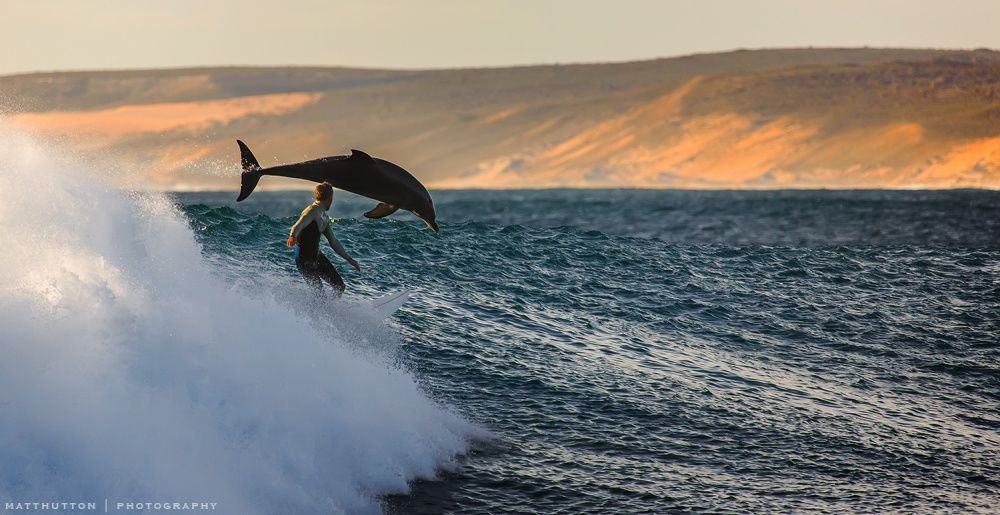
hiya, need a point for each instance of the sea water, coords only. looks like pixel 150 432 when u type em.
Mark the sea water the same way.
pixel 608 351
pixel 648 351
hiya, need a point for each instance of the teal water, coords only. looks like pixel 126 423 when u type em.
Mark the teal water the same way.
pixel 645 352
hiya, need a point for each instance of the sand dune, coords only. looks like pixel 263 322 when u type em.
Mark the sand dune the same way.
pixel 162 117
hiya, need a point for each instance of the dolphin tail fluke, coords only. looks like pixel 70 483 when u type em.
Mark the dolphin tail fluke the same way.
pixel 251 171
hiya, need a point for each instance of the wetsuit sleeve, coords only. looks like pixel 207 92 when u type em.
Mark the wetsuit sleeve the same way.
pixel 335 243
pixel 304 219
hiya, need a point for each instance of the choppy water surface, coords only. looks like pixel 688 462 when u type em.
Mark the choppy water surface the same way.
pixel 643 351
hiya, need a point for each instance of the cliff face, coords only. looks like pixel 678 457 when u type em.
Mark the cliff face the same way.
pixel 863 118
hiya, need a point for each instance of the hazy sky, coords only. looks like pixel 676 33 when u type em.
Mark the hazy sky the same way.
pixel 37 35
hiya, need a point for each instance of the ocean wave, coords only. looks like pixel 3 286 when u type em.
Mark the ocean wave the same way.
pixel 133 369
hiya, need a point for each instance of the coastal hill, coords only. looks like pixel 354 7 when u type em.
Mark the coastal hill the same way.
pixel 788 118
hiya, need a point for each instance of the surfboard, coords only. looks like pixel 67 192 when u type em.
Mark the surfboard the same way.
pixel 386 305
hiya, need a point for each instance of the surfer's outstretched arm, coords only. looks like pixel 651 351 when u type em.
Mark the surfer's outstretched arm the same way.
pixel 339 248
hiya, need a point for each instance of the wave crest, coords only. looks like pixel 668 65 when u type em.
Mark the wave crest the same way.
pixel 133 372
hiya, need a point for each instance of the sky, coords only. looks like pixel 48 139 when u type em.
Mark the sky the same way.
pixel 55 35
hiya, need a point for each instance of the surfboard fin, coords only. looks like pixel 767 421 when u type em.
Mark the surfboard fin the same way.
pixel 251 171
pixel 381 210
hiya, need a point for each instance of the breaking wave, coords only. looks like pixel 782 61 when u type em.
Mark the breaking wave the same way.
pixel 132 371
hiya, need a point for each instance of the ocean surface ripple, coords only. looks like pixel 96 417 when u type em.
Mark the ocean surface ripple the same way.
pixel 644 352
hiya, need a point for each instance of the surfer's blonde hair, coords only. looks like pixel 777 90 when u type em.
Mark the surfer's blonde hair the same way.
pixel 323 191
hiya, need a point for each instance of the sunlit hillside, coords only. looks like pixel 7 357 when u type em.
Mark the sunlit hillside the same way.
pixel 798 118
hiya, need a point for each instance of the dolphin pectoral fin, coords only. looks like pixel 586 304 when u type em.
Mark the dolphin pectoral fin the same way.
pixel 382 209
pixel 357 155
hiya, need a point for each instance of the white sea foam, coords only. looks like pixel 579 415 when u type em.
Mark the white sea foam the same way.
pixel 129 371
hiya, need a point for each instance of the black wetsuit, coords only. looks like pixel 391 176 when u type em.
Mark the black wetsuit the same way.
pixel 313 264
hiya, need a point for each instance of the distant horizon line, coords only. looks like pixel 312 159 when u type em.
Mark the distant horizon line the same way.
pixel 624 188
pixel 485 67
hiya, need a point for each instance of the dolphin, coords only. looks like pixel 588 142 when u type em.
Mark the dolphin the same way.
pixel 360 173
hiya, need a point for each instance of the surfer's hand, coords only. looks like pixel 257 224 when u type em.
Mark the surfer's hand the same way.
pixel 355 264
pixel 291 241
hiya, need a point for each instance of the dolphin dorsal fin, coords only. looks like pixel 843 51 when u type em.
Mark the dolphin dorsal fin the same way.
pixel 361 156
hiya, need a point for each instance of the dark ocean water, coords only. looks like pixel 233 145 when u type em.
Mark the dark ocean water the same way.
pixel 652 351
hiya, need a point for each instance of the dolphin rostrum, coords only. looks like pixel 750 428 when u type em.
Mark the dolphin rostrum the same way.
pixel 359 173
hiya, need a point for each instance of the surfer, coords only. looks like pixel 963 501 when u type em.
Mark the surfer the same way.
pixel 312 263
